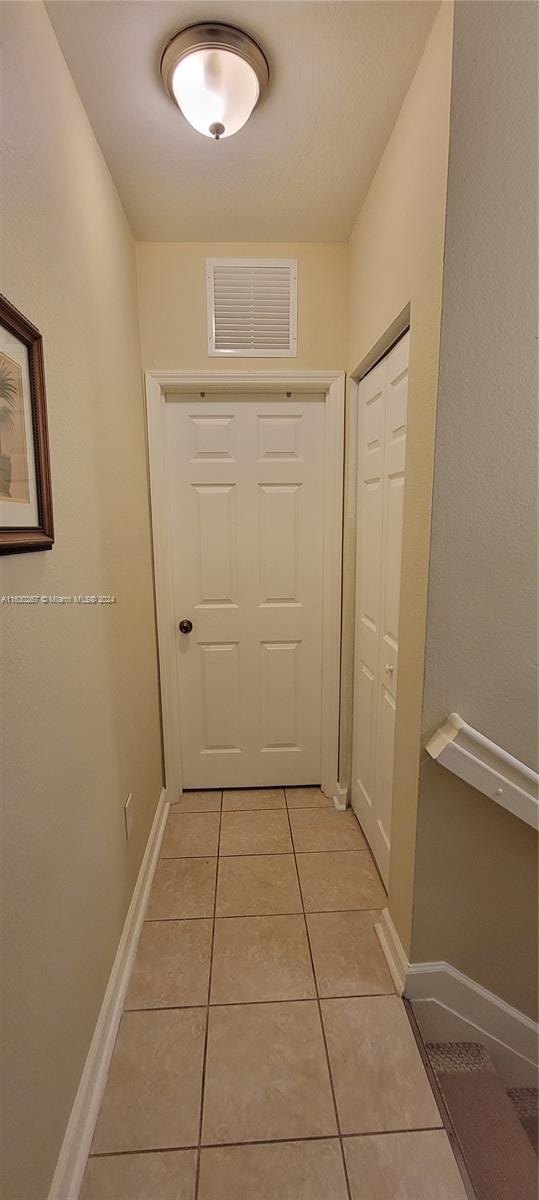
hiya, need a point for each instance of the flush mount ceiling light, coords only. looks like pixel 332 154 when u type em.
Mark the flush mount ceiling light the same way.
pixel 216 74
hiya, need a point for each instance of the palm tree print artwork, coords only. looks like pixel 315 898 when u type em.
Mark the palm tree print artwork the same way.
pixel 13 455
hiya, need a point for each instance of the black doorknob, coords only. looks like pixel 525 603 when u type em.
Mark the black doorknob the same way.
pixel 185 626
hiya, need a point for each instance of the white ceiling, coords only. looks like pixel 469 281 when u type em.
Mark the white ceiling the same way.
pixel 300 168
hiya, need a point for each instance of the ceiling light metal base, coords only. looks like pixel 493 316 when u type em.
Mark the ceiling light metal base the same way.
pixel 213 35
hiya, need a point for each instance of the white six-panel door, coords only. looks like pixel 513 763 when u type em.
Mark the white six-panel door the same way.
pixel 381 460
pixel 246 503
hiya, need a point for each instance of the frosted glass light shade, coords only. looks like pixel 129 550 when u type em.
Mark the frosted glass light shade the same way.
pixel 215 88
pixel 216 74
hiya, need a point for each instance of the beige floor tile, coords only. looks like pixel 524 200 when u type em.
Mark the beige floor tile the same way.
pixel 255 833
pixel 282 1171
pixel 172 965
pixel 181 888
pixel 380 1082
pixel 261 958
pixel 307 797
pixel 257 886
pixel 410 1166
pixel 245 798
pixel 322 830
pixel 199 802
pixel 339 880
pixel 266 1074
pixel 191 835
pixel 152 1097
pixel 169 1175
pixel 347 955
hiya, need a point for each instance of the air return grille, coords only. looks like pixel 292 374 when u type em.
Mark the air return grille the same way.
pixel 252 307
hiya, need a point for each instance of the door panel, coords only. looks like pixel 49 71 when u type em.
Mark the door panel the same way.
pixel 215 543
pixel 280 667
pixel 382 444
pixel 246 497
pixel 220 676
pixel 278 508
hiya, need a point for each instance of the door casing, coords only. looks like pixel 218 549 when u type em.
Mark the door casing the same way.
pixel 159 385
pixel 398 327
pixel 380 490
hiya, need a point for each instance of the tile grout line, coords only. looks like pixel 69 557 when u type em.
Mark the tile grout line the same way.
pixel 317 1137
pixel 315 912
pixel 206 1037
pixel 249 1003
pixel 207 812
pixel 284 808
pixel 267 808
pixel 320 1018
pixel 256 853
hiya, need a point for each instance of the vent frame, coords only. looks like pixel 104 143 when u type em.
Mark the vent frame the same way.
pixel 288 268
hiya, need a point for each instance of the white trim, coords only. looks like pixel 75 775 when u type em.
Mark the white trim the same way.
pixel 341 798
pixel 449 1006
pixel 332 384
pixel 331 639
pixel 393 951
pixel 164 601
pixel 252 380
pixel 71 1163
pixel 486 767
pixel 385 343
pixel 398 330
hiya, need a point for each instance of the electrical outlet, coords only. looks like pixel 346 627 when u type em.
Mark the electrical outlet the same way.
pixel 128 816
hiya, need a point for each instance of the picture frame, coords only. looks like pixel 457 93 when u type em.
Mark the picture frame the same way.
pixel 26 517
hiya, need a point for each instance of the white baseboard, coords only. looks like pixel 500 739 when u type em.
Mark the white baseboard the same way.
pixel 71 1163
pixel 451 1007
pixel 340 797
pixel 393 951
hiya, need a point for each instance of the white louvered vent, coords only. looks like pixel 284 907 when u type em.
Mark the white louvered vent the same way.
pixel 252 307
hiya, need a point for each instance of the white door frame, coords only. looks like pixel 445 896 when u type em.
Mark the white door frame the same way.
pixel 332 384
pixel 390 337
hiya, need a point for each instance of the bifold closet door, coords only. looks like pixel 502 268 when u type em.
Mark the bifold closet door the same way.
pixel 381 462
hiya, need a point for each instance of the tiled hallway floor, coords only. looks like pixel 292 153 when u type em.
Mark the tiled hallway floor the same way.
pixel 263 1053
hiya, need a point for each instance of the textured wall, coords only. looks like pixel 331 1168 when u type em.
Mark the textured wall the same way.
pixel 79 708
pixel 172 291
pixel 396 257
pixel 476 901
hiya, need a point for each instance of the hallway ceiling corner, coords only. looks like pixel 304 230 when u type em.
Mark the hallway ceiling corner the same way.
pixel 300 169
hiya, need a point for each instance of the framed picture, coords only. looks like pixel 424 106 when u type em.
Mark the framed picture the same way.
pixel 25 477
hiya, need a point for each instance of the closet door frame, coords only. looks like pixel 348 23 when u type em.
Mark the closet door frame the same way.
pixel 393 334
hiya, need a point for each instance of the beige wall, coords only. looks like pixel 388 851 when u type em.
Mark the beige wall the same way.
pixel 79 690
pixel 476 878
pixel 396 259
pixel 172 295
